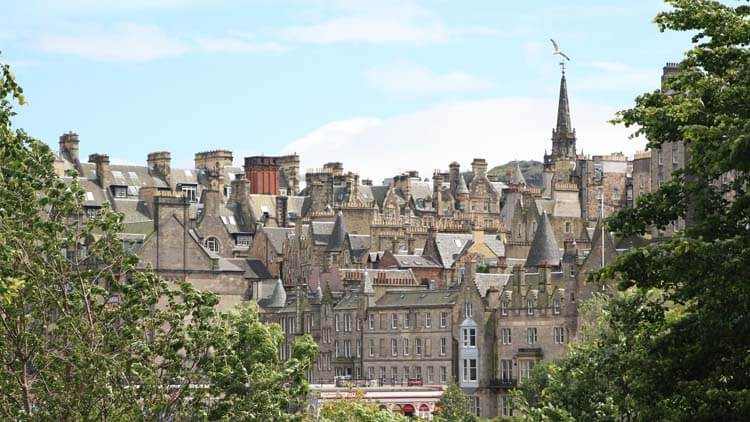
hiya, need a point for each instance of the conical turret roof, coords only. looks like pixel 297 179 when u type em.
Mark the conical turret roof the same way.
pixel 544 250
pixel 462 189
pixel 564 129
pixel 336 241
pixel 517 178
pixel 278 297
pixel 594 259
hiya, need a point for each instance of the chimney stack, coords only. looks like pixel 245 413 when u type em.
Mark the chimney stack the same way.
pixel 69 144
pixel 160 165
pixel 103 174
pixel 410 242
pixel 394 245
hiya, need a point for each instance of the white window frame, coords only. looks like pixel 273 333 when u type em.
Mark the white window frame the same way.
pixel 506 335
pixel 394 321
pixel 469 337
pixel 556 305
pixel 504 307
pixel 428 320
pixel 443 374
pixel 468 310
pixel 418 346
pixel 443 346
pixel 394 347
pixel 559 335
pixel 406 347
pixel 407 320
pixel 443 319
pixel 532 336
pixel 213 241
pixel 470 371
pixel 529 306
pixel 371 321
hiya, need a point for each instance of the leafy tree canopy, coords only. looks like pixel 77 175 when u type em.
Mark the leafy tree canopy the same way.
pixel 84 335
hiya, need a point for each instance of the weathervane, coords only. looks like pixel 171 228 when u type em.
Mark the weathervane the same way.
pixel 563 56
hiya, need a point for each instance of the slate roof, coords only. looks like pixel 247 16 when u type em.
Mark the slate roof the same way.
pixel 450 246
pixel 517 177
pixel 543 250
pixel 338 234
pixel 379 192
pixel 254 268
pixel 485 281
pixel 277 299
pixel 415 261
pixel 359 245
pixel 461 188
pixel 349 301
pixel 277 236
pixel 321 231
pixel 423 298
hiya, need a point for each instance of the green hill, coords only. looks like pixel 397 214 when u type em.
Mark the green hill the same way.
pixel 531 170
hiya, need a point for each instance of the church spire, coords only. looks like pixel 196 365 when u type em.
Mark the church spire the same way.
pixel 563 136
pixel 563 111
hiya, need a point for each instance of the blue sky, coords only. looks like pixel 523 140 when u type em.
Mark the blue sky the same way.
pixel 384 86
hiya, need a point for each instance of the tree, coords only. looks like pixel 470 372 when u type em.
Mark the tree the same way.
pixel 356 408
pixel 675 344
pixel 454 405
pixel 86 336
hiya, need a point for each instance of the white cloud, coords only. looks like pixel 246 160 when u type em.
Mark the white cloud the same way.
pixel 237 44
pixel 620 77
pixel 404 78
pixel 127 42
pixel 498 129
pixel 380 22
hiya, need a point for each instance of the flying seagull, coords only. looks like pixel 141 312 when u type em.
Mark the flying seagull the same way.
pixel 557 50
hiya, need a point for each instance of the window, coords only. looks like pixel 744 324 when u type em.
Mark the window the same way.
pixel 358 371
pixel 407 320
pixel 336 348
pixel 468 310
pixel 91 212
pixel 504 307
pixel 348 322
pixel 470 337
pixel 428 320
pixel 443 319
pixel 506 406
pixel 370 372
pixel 641 181
pixel 120 191
pixel 659 157
pixel 406 372
pixel 556 305
pixel 525 368
pixel 674 154
pixel 394 373
pixel 336 322
pixel 443 346
pixel 382 372
pixel 559 334
pixel 530 306
pixel 406 347
pixel 474 405
pixel 212 244
pixel 418 346
pixel 531 336
pixel 443 374
pixel 430 375
pixel 505 334
pixel 371 347
pixel 359 348
pixel 568 227
pixel 394 321
pixel 348 348
pixel 242 240
pixel 394 347
pixel 470 370
pixel 371 321
pixel 190 192
pixel 506 369
pixel 418 372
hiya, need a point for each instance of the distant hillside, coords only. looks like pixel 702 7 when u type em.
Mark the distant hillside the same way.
pixel 532 172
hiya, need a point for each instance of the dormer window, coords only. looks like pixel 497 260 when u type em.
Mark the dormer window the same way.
pixel 243 240
pixel 91 212
pixel 504 307
pixel 190 192
pixel 120 191
pixel 212 244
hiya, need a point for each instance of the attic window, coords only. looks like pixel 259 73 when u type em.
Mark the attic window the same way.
pixel 133 175
pixel 89 196
pixel 212 244
pixel 133 190
pixel 243 240
pixel 117 174
pixel 120 191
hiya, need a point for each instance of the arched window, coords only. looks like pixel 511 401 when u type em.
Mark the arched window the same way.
pixel 212 244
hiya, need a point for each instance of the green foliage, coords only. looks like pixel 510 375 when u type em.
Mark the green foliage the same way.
pixel 90 337
pixel 675 345
pixel 356 408
pixel 454 405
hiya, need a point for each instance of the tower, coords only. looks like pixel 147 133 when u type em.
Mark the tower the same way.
pixel 563 135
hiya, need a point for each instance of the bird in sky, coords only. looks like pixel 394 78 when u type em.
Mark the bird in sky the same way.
pixel 557 50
